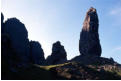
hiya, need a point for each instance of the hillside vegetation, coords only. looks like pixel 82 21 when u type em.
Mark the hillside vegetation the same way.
pixel 66 71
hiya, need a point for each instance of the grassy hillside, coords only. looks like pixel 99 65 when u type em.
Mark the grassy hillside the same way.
pixel 70 70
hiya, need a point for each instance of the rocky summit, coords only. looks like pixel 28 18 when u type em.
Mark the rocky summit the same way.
pixel 89 43
pixel 58 54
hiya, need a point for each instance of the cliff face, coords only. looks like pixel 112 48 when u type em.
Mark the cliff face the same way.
pixel 18 36
pixel 89 43
pixel 16 49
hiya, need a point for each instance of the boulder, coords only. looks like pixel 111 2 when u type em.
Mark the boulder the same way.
pixel 89 43
pixel 58 54
pixel 36 53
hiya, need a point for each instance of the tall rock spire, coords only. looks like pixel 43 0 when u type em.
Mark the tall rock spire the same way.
pixel 89 43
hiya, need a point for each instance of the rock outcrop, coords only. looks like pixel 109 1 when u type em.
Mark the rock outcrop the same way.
pixel 16 50
pixel 89 43
pixel 18 36
pixel 88 60
pixel 37 54
pixel 58 54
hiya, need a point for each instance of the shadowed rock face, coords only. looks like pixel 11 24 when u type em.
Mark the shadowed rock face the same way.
pixel 2 19
pixel 89 43
pixel 17 51
pixel 37 54
pixel 58 54
pixel 18 36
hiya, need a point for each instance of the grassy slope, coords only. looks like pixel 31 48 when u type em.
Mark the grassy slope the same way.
pixel 94 72
pixel 69 70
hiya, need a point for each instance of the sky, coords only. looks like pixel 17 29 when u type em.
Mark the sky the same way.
pixel 48 21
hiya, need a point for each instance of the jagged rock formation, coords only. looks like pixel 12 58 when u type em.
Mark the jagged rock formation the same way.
pixel 16 50
pixel 89 43
pixel 37 54
pixel 58 54
pixel 19 39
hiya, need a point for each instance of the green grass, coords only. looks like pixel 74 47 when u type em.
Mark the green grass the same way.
pixel 51 66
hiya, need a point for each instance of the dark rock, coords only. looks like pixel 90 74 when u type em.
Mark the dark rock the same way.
pixel 6 51
pixel 16 50
pixel 18 37
pixel 112 59
pixel 86 60
pixel 37 54
pixel 89 43
pixel 58 54
pixel 2 19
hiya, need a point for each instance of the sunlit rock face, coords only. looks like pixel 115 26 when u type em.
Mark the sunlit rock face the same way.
pixel 37 54
pixel 58 54
pixel 89 43
pixel 18 36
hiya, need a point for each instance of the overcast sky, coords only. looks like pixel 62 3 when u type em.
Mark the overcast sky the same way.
pixel 48 21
